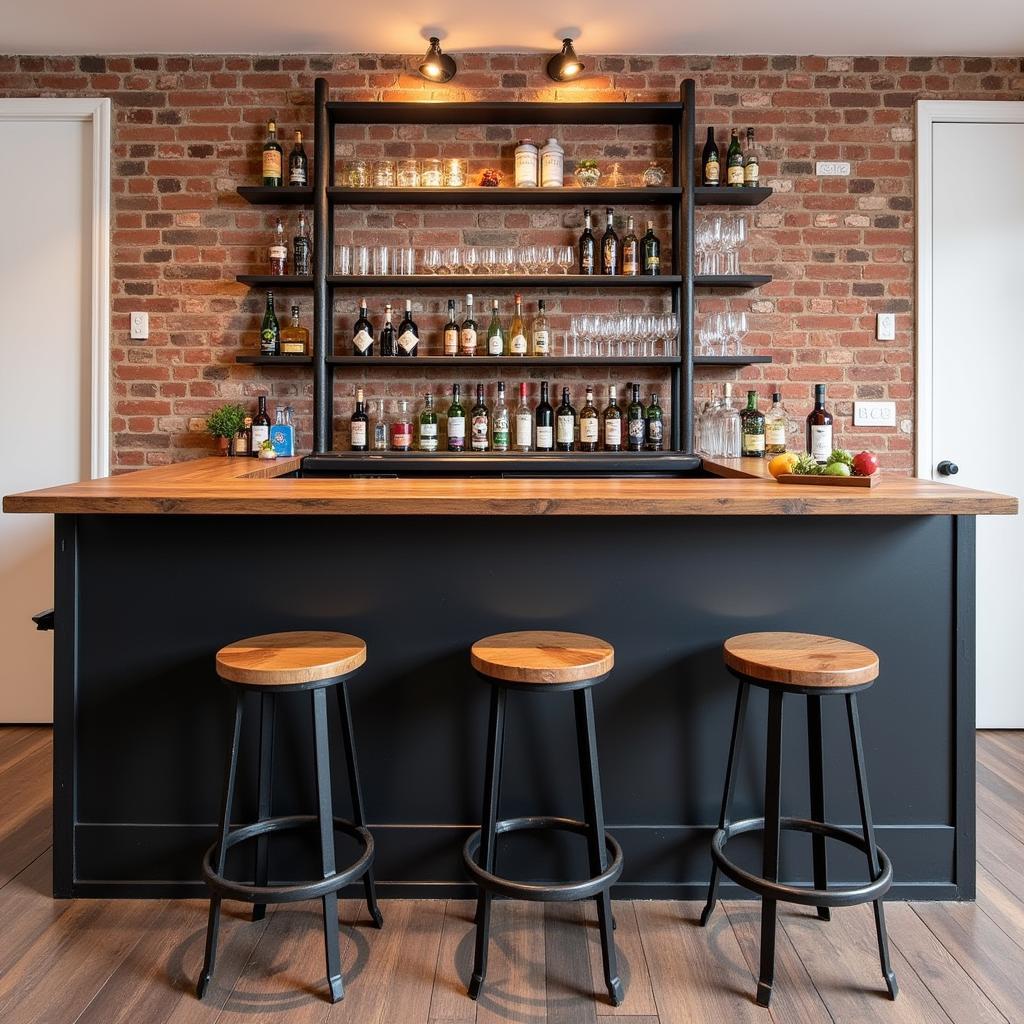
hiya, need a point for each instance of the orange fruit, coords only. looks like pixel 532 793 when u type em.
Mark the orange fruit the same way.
pixel 783 463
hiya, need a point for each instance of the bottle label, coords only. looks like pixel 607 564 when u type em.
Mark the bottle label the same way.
pixel 468 341
pixel 544 437
pixel 821 442
pixel 501 438
pixel 408 341
pixel 587 263
pixel 260 433
pixel 612 432
pixel 736 174
pixel 517 346
pixel 588 430
pixel 541 342
pixel 358 434
pixel 629 263
pixel 775 434
pixel 653 263
pixel 268 341
pixel 271 163
pixel 495 344
pixel 297 175
pixel 362 340
pixel 279 251
pixel 526 167
pixel 750 174
pixel 478 432
pixel 711 172
pixel 551 169
pixel 241 445
pixel 451 342
pixel 524 429
pixel 636 431
pixel 753 443
pixel 566 429
pixel 428 437
pixel 401 435
pixel 654 431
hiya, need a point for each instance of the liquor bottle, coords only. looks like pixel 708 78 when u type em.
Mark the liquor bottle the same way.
pixel 545 422
pixel 451 332
pixel 524 420
pixel 298 165
pixel 380 426
pixel 479 423
pixel 612 423
pixel 501 437
pixel 590 419
pixel 270 331
pixel 655 425
pixel 241 443
pixel 272 158
pixel 467 335
pixel 776 426
pixel 428 425
pixel 734 162
pixel 711 169
pixel 731 427
pixel 495 339
pixel 539 331
pixel 456 423
pixel 362 333
pixel 387 334
pixel 359 428
pixel 751 164
pixel 517 331
pixel 401 428
pixel 565 424
pixel 636 421
pixel 630 251
pixel 588 261
pixel 650 252
pixel 302 249
pixel 408 333
pixel 260 425
pixel 294 337
pixel 278 251
pixel 609 246
pixel 819 427
pixel 752 429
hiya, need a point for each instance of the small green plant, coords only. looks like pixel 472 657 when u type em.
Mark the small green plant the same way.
pixel 586 165
pixel 226 421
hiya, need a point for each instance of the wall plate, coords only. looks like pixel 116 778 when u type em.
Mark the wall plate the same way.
pixel 874 414
pixel 139 326
pixel 832 168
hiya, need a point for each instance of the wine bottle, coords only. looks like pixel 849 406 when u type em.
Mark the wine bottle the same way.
pixel 751 163
pixel 495 340
pixel 408 333
pixel 302 249
pixel 565 424
pixel 428 425
pixel 387 334
pixel 260 425
pixel 362 333
pixel 752 429
pixel 612 422
pixel 358 440
pixel 776 426
pixel 734 162
pixel 587 246
pixel 278 251
pixel 819 428
pixel 401 428
pixel 380 426
pixel 609 246
pixel 590 419
pixel 467 335
pixel 545 422
pixel 517 332
pixel 636 421
pixel 456 423
pixel 524 420
pixel 501 439
pixel 298 165
pixel 650 249
pixel 630 251
pixel 270 331
pixel 539 331
pixel 479 423
pixel 655 425
pixel 711 169
pixel 451 332
pixel 272 158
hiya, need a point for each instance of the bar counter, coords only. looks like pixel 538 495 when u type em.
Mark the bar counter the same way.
pixel 156 570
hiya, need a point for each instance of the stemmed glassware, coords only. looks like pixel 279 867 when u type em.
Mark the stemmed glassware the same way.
pixel 565 257
pixel 718 240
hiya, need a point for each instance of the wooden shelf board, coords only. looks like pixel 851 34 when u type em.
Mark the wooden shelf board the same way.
pixel 463 282
pixel 289 359
pixel 731 280
pixel 725 196
pixel 435 360
pixel 473 196
pixel 729 360
pixel 286 195
pixel 275 281
pixel 504 113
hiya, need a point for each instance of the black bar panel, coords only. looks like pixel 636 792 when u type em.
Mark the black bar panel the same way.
pixel 323 322
pixel 504 113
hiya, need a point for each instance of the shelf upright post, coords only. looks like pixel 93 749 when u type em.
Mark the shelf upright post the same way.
pixel 684 254
pixel 323 158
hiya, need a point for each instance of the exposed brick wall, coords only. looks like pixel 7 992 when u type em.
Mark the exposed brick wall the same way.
pixel 188 129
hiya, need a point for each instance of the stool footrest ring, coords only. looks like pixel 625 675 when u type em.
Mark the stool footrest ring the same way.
pixel 296 892
pixel 841 896
pixel 551 893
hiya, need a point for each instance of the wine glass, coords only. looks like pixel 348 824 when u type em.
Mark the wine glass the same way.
pixel 433 260
pixel 488 260
pixel 452 260
pixel 471 259
pixel 565 256
pixel 546 259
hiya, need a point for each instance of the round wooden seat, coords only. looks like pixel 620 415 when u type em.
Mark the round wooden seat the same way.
pixel 801 660
pixel 542 657
pixel 290 660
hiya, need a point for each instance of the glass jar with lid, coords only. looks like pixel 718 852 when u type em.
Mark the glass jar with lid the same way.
pixel 384 174
pixel 454 172
pixel 654 175
pixel 430 173
pixel 357 174
pixel 552 164
pixel 408 173
pixel 526 164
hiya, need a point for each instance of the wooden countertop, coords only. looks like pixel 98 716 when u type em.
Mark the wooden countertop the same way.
pixel 223 486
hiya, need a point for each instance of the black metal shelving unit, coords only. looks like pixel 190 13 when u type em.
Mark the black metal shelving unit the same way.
pixel 325 196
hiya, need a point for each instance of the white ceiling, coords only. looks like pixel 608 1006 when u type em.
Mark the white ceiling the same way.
pixel 921 27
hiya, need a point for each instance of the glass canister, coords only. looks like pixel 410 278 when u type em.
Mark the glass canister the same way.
pixel 454 172
pixel 384 174
pixel 552 164
pixel 526 164
pixel 430 173
pixel 654 175
pixel 408 173
pixel 357 173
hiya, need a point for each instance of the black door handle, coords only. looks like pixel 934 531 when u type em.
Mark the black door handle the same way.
pixel 44 620
pixel 947 468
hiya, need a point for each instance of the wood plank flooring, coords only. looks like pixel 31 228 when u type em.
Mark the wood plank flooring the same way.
pixel 115 962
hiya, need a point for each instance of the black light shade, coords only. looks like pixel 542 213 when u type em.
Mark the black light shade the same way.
pixel 437 66
pixel 565 65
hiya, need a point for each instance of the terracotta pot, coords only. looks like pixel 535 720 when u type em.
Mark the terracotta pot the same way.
pixel 222 445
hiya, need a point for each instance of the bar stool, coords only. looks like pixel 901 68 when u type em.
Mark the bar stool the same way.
pixel 273 664
pixel 813 666
pixel 544 662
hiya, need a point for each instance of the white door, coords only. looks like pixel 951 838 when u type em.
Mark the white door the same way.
pixel 971 250
pixel 53 345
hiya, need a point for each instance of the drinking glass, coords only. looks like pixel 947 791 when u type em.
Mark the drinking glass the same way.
pixel 452 260
pixel 546 258
pixel 357 174
pixel 566 257
pixel 471 259
pixel 361 261
pixel 403 260
pixel 343 265
pixel 381 260
pixel 526 257
pixel 488 260
pixel 506 259
pixel 433 260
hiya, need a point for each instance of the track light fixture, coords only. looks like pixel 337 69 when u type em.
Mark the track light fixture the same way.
pixel 565 66
pixel 437 66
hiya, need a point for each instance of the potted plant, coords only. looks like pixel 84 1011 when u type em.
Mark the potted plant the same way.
pixel 266 450
pixel 587 173
pixel 224 423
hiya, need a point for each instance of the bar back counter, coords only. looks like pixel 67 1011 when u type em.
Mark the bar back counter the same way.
pixel 156 570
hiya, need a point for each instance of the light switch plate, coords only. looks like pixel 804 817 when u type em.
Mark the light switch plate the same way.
pixel 832 168
pixel 885 327
pixel 139 326
pixel 874 414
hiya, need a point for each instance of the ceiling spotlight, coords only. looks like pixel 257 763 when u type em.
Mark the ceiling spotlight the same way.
pixel 437 66
pixel 565 65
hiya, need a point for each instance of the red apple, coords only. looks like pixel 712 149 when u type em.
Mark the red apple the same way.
pixel 865 464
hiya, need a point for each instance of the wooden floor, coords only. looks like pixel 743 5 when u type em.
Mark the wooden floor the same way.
pixel 105 962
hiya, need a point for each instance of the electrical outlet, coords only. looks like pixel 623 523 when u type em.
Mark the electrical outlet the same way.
pixel 874 414
pixel 832 169
pixel 140 326
pixel 885 327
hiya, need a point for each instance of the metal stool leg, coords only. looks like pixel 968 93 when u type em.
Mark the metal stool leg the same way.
pixel 869 839
pixel 730 784
pixel 213 925
pixel 326 815
pixel 492 790
pixel 770 858
pixel 358 813
pixel 593 814
pixel 816 763
pixel 260 872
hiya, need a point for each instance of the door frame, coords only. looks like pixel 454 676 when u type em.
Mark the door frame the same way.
pixel 929 113
pixel 96 110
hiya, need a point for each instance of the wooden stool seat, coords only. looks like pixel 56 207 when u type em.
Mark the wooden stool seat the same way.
pixel 294 660
pixel 801 660
pixel 542 657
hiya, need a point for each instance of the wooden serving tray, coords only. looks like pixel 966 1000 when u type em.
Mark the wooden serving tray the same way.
pixel 830 481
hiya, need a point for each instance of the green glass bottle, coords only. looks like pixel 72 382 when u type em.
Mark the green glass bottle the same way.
pixel 456 423
pixel 495 337
pixel 636 421
pixel 270 332
pixel 428 425
pixel 655 426
pixel 734 162
pixel 752 429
